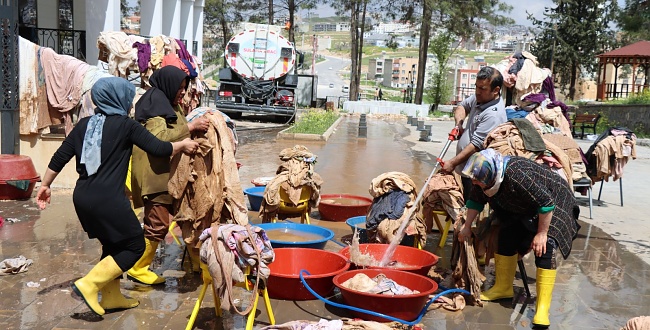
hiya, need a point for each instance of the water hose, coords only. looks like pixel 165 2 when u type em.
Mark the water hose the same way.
pixel 373 313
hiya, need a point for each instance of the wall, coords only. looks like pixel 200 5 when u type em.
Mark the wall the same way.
pixel 40 150
pixel 634 117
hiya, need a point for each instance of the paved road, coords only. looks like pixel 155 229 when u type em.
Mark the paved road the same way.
pixel 329 72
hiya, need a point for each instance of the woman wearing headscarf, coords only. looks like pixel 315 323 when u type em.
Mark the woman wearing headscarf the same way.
pixel 536 209
pixel 102 146
pixel 160 112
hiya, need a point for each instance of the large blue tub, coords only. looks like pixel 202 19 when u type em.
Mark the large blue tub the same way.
pixel 255 197
pixel 323 233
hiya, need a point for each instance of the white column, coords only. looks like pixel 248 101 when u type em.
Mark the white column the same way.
pixel 151 18
pixel 187 22
pixel 101 15
pixel 171 24
pixel 198 28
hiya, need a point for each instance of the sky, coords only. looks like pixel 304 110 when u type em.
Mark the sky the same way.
pixel 518 14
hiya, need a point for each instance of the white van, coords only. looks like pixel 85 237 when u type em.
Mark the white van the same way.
pixel 345 89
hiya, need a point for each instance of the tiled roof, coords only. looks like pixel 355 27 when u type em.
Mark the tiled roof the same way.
pixel 637 49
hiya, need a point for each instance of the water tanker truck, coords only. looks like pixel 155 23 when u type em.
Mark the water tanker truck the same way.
pixel 259 75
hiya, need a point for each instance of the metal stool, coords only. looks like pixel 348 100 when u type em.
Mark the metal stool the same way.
pixel 620 182
pixel 586 183
pixel 445 231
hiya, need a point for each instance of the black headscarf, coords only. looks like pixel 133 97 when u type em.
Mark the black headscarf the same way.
pixel 157 101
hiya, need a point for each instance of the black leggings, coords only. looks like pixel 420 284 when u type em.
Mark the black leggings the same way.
pixel 515 238
pixel 126 253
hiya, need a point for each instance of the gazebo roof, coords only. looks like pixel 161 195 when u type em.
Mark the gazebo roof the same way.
pixel 637 49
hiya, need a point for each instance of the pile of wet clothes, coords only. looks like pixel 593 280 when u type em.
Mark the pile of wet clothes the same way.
pixel 394 196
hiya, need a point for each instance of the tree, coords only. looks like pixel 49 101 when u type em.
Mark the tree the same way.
pixel 572 34
pixel 221 19
pixel 634 20
pixel 357 10
pixel 440 88
pixel 291 6
pixel 465 19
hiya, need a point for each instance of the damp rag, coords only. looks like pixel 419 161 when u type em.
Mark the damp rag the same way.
pixel 14 266
pixel 20 184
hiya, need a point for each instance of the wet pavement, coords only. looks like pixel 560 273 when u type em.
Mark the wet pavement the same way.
pixel 600 286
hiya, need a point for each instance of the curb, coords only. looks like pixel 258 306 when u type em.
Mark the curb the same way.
pixel 282 135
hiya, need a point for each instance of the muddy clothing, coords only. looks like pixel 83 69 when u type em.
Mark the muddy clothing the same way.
pixel 150 174
pixel 205 185
pixel 526 189
pixel 397 181
pixel 103 209
pixel 295 172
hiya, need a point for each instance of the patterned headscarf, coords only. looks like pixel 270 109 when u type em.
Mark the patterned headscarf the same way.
pixel 113 96
pixel 488 167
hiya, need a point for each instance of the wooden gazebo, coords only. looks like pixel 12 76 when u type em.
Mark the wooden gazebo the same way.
pixel 637 55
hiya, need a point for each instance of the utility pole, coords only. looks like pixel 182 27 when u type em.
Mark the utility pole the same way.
pixel 456 79
pixel 315 52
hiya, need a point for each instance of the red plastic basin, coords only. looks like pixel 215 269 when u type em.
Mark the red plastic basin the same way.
pixel 284 282
pixel 418 261
pixel 340 207
pixel 405 307
pixel 16 167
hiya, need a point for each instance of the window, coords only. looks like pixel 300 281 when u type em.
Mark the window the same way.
pixel 380 63
pixel 463 85
pixel 472 76
pixel 464 76
pixel 403 73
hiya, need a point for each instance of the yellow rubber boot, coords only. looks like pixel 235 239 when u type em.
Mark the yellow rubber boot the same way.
pixel 140 271
pixel 545 283
pixel 112 298
pixel 505 269
pixel 195 260
pixel 88 286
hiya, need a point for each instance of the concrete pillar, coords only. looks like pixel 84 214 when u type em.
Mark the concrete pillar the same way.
pixel 172 18
pixel 101 11
pixel 151 18
pixel 187 22
pixel 198 28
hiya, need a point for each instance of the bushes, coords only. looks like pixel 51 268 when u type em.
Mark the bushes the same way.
pixel 314 121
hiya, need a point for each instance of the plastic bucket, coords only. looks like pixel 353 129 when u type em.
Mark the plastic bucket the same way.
pixel 405 307
pixel 284 282
pixel 319 243
pixel 340 207
pixel 255 197
pixel 415 260
pixel 17 177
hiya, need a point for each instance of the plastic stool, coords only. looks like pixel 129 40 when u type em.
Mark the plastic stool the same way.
pixel 302 208
pixel 217 302
pixel 445 231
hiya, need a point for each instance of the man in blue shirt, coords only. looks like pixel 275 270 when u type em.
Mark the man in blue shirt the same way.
pixel 484 111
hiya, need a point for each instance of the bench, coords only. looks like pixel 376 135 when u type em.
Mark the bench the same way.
pixel 582 121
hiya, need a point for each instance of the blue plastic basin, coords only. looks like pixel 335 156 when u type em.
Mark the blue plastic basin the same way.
pixel 359 221
pixel 325 234
pixel 255 197
pixel 408 240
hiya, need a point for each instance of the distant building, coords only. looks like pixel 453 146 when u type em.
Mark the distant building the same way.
pixel 331 27
pixel 392 28
pixel 379 69
pixel 403 72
